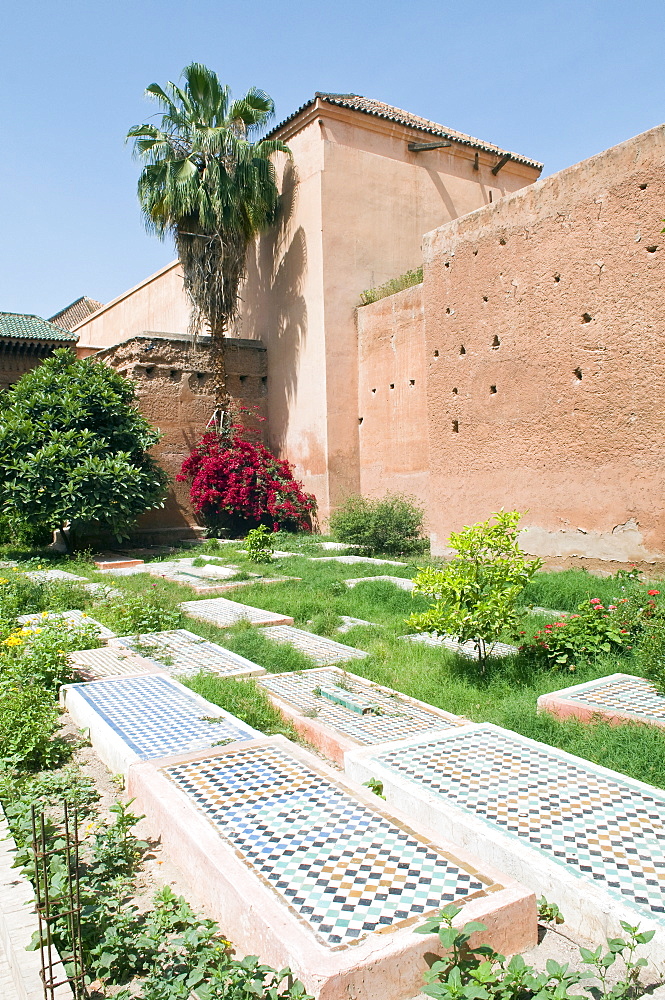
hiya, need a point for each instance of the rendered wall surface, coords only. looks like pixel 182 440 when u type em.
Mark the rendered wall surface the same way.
pixel 392 396
pixel 175 392
pixel 545 321
pixel 158 303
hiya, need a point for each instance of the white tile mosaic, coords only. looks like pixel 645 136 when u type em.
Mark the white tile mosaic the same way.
pixel 467 649
pixel 317 647
pixel 96 664
pixel 46 575
pixel 398 581
pixel 179 651
pixel 348 623
pixel 223 613
pixel 351 560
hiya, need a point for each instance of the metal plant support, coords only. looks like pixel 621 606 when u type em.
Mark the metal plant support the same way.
pixel 58 905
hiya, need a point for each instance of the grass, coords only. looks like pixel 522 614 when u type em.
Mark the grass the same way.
pixel 506 695
pixel 406 280
pixel 244 699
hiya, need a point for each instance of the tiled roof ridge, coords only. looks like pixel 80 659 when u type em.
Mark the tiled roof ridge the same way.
pixel 75 312
pixel 380 109
pixel 29 326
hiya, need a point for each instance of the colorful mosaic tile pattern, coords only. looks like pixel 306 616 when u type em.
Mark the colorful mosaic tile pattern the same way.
pixel 399 718
pixel 344 868
pixel 75 617
pixel 223 613
pixel 317 647
pixel 620 693
pixel 467 649
pixel 179 651
pixel 156 717
pixel 608 829
pixel 107 662
pixel 398 581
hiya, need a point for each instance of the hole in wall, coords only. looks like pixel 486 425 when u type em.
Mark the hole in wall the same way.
pixel 578 374
pixel 200 375
pixel 586 317
pixel 643 187
pixel 455 391
pixel 492 389
pixel 490 197
pixel 360 420
pixel 475 253
pixel 447 264
pixel 502 241
pixel 392 385
pixel 455 426
pixel 174 373
pixel 557 277
pixel 150 370
pixel 652 249
pixel 496 343
pixel 412 381
pixel 436 354
pixel 243 379
pixel 462 349
pixel 373 392
pixel 264 380
pixel 448 310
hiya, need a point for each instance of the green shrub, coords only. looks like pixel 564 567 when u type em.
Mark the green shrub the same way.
pixel 139 614
pixel 37 654
pixel 594 630
pixel 393 524
pixel 28 722
pixel 476 593
pixel 260 545
pixel 651 653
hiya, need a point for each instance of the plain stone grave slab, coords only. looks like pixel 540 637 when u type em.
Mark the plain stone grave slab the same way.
pixel 319 649
pixel 47 575
pixel 126 570
pixel 398 581
pixel 179 651
pixel 336 546
pixel 312 871
pixel 137 718
pixel 75 617
pixel 348 623
pixel 185 566
pixel 339 711
pixel 98 664
pixel 467 649
pixel 589 839
pixel 224 613
pixel 617 698
pixel 279 555
pixel 115 562
pixel 351 560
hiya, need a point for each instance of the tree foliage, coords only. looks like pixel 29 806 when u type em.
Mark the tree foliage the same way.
pixel 208 184
pixel 73 449
pixel 476 592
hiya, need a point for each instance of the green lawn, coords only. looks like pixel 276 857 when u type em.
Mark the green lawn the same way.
pixel 506 695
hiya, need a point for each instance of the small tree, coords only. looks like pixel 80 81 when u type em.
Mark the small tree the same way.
pixel 476 592
pixel 73 449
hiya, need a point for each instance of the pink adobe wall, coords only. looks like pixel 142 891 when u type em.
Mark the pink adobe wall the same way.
pixel 392 396
pixel 158 305
pixel 568 274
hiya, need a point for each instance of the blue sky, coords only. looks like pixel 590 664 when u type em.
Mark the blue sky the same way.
pixel 558 81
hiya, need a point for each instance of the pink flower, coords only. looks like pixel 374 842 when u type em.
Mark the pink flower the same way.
pixel 595 600
pixel 611 607
pixel 652 593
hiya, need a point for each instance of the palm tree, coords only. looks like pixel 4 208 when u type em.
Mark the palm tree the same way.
pixel 210 186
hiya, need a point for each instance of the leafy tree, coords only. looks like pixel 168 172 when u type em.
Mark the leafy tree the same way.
pixel 73 449
pixel 209 185
pixel 476 593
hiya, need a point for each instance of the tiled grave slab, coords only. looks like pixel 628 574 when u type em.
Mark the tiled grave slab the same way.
pixel 548 612
pixel 101 591
pixel 397 580
pixel 318 648
pixel 467 649
pixel 126 570
pixel 312 872
pixel 46 575
pixel 110 562
pixel 180 651
pixel 277 554
pixel 348 623
pixel 587 838
pixel 223 613
pixel 185 566
pixel 97 664
pixel 335 726
pixel 617 698
pixel 138 718
pixel 336 546
pixel 351 560
pixel 74 617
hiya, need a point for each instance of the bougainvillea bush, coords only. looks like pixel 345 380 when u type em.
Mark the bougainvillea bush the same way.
pixel 237 483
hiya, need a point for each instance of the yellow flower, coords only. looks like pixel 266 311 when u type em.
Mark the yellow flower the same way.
pixel 3 581
pixel 24 631
pixel 13 640
pixel 44 614
pixel 61 651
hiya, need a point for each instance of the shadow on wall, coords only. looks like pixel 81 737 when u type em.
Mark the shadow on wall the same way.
pixel 274 308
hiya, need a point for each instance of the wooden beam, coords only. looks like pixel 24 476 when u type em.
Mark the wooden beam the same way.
pixel 502 162
pixel 418 147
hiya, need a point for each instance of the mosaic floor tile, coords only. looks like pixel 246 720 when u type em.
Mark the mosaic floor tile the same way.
pixel 344 868
pixel 393 717
pixel 74 617
pixel 96 664
pixel 467 649
pixel 179 651
pixel 620 695
pixel 397 580
pixel 606 828
pixel 351 560
pixel 317 647
pixel 223 613
pixel 45 575
pixel 155 717
pixel 348 623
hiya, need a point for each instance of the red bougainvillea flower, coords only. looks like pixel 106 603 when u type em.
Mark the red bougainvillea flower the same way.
pixel 652 593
